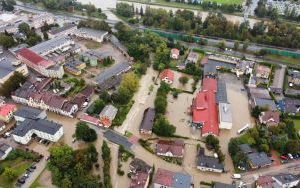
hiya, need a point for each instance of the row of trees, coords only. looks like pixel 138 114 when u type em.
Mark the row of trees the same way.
pixel 212 142
pixel 215 24
pixel 95 24
pixel 106 166
pixel 72 168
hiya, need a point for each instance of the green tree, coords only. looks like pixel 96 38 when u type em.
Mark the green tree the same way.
pixel 162 56
pixel 130 81
pixel 163 128
pixel 106 167
pixel 12 84
pixel 236 45
pixel 293 146
pixel 183 80
pixel 6 40
pixel 246 45
pixel 125 10
pixel 24 28
pixel 61 157
pixel 256 111
pixel 212 142
pixel 222 44
pixel 85 133
pixel 9 173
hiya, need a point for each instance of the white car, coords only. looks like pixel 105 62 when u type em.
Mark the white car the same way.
pixel 236 176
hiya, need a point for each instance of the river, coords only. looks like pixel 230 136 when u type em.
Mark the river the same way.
pixel 106 4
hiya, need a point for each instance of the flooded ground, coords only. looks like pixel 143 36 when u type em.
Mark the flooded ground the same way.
pixel 176 83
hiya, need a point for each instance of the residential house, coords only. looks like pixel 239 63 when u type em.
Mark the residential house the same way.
pixel 277 84
pixel 261 97
pixel 65 30
pixel 225 116
pixel 258 160
pixel 167 76
pixel 286 180
pixel 263 71
pixel 170 148
pixel 44 129
pixel 6 112
pixel 148 121
pixel 107 115
pixel 8 68
pixel 93 57
pixel 26 112
pixel 266 182
pixel 294 78
pixel 291 105
pixel 90 34
pixel 40 64
pixel 193 57
pixel 208 163
pixel 5 149
pixel 168 179
pixel 139 173
pixel 269 118
pixel 174 53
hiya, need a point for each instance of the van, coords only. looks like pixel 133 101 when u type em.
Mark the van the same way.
pixel 236 176
pixel 246 127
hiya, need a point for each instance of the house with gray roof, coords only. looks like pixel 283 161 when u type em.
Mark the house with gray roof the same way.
pixel 25 112
pixel 44 129
pixel 5 149
pixel 111 72
pixel 107 115
pixel 208 163
pixel 7 69
pixel 245 148
pixel 292 105
pixel 258 160
pixel 148 121
pixel 90 34
pixel 117 139
pixel 62 31
pixel 115 41
pixel 277 84
pixel 286 180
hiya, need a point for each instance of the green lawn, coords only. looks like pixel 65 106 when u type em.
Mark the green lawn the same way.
pixel 92 45
pixel 288 60
pixel 19 165
pixel 297 124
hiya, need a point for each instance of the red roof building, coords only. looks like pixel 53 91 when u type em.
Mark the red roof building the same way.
pixel 167 76
pixel 163 177
pixel 209 84
pixel 204 108
pixel 269 118
pixel 174 53
pixel 90 119
pixel 33 59
pixel 6 112
pixel 170 148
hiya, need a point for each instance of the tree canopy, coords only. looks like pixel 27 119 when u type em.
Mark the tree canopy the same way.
pixel 85 133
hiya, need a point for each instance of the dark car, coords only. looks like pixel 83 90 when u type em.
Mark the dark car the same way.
pixel 33 166
pixel 18 184
pixel 29 170
pixel 21 180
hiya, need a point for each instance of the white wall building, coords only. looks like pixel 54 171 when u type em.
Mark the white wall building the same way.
pixel 90 34
pixel 5 149
pixel 225 116
pixel 286 180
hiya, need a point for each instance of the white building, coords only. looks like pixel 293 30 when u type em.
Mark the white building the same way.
pixel 286 180
pixel 25 112
pixel 90 34
pixel 44 129
pixel 39 20
pixel 4 150
pixel 7 69
pixel 225 116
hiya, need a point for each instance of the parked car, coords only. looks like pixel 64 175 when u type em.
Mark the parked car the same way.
pixel 33 166
pixel 21 180
pixel 284 157
pixel 290 156
pixel 236 176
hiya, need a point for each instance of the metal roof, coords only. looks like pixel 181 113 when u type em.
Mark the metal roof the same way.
pixel 6 67
pixel 42 125
pixel 148 119
pixel 181 180
pixel 115 70
pixel 259 159
pixel 221 92
pixel 209 162
pixel 117 139
pixel 285 178
pixel 225 112
pixel 28 112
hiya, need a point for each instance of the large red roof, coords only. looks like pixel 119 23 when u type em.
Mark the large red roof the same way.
pixel 209 84
pixel 205 111
pixel 7 108
pixel 164 177
pixel 34 58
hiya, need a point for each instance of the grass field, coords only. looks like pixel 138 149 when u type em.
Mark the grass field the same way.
pixel 19 165
pixel 288 60
pixel 92 45
pixel 297 124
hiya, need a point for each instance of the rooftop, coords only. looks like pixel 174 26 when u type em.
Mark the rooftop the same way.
pixel 286 178
pixel 209 84
pixel 167 73
pixel 28 112
pixel 225 112
pixel 172 179
pixel 110 72
pixel 148 119
pixel 221 92
pixel 259 159
pixel 245 148
pixel 34 58
pixel 278 78
pixel 209 162
pixel 42 125
pixel 55 31
pixel 118 139
pixel 175 147
pixel 5 109
pixel 6 67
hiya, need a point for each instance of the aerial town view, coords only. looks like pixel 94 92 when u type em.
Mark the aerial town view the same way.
pixel 149 93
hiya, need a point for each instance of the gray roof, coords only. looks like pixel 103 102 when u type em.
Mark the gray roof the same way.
pixel 39 124
pixel 91 32
pixel 291 105
pixel 278 78
pixel 209 162
pixel 97 54
pixel 3 148
pixel 110 111
pixel 259 159
pixel 6 67
pixel 148 119
pixel 264 103
pixel 245 148
pixel 221 92
pixel 181 180
pixel 49 45
pixel 223 185
pixel 117 139
pixel 209 69
pixel 138 165
pixel 110 72
pixel 286 178
pixel 115 41
pixel 225 112
pixel 28 112
pixel 58 30
pixel 260 93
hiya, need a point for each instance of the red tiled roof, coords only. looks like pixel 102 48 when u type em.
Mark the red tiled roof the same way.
pixel 139 180
pixel 6 109
pixel 205 111
pixel 34 58
pixel 164 177
pixel 90 119
pixel 264 180
pixel 268 115
pixel 167 73
pixel 209 84
pixel 175 51
pixel 175 147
